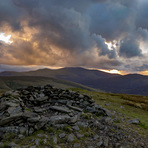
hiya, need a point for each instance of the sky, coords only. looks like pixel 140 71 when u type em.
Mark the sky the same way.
pixel 100 34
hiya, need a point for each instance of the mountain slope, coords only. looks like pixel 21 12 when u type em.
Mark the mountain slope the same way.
pixel 68 73
pixel 130 84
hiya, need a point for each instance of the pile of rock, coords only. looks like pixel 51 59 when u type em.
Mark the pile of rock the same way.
pixel 24 111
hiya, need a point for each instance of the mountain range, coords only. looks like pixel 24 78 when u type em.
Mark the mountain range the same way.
pixel 115 83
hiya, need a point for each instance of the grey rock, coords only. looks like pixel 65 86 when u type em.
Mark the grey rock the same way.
pixel 71 137
pixel 20 136
pixel 42 122
pixel 74 119
pixel 59 119
pixel 55 140
pixel 44 141
pixel 134 121
pixel 82 124
pixel 62 101
pixel 12 145
pixel 106 141
pixel 12 93
pixel 41 99
pixel 76 145
pixel 12 104
pixel 62 135
pixel 86 103
pixel 1 144
pixel 37 142
pixel 33 119
pixel 60 109
pixel 39 110
pixel 10 119
pixel 78 135
pixel 60 126
pixel 108 120
pixel 23 130
pixel 81 96
pixel 75 108
pixel 99 143
pixel 14 110
pixel 29 114
pixel 31 131
pixel 9 129
pixel 76 128
pixel 96 137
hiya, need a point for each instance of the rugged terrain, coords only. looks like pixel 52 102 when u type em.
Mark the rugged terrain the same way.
pixel 52 117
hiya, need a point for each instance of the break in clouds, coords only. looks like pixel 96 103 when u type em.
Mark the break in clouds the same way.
pixel 104 34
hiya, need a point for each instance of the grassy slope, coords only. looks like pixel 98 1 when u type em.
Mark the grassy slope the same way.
pixel 23 81
pixel 118 105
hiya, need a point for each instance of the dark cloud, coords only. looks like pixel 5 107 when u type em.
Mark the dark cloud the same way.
pixel 53 32
pixel 144 67
pixel 111 20
pixel 129 48
pixel 102 47
pixel 142 14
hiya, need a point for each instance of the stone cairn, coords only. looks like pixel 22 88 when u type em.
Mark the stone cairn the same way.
pixel 26 110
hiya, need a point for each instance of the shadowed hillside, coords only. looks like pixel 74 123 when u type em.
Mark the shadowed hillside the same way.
pixel 129 84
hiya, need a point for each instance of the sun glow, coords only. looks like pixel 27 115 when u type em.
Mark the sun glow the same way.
pixel 5 38
pixel 143 72
pixel 113 71
pixel 111 45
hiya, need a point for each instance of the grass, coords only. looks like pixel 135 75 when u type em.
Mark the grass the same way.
pixel 125 106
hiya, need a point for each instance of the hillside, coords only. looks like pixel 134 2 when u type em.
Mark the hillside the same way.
pixel 128 84
pixel 45 116
pixel 16 82
pixel 69 73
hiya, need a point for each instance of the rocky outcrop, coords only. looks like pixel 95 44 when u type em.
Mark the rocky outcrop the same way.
pixel 25 111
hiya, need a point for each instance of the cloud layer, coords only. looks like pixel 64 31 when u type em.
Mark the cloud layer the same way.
pixel 76 33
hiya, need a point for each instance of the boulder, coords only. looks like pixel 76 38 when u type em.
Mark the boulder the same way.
pixel 71 137
pixel 60 119
pixel 134 121
pixel 60 109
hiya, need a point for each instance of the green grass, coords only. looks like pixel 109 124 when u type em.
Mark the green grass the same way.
pixel 116 103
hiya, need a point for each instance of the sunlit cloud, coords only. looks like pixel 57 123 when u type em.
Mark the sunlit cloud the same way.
pixel 143 72
pixel 113 71
pixel 5 38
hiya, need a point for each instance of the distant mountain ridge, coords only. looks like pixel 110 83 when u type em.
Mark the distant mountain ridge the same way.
pixel 129 84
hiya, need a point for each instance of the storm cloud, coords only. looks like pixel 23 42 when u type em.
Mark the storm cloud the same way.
pixel 75 33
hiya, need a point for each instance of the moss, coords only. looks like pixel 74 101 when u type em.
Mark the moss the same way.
pixel 50 129
pixel 86 115
pixel 28 109
pixel 86 134
pixel 67 129
pixel 9 136
pixel 58 132
pixel 143 126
